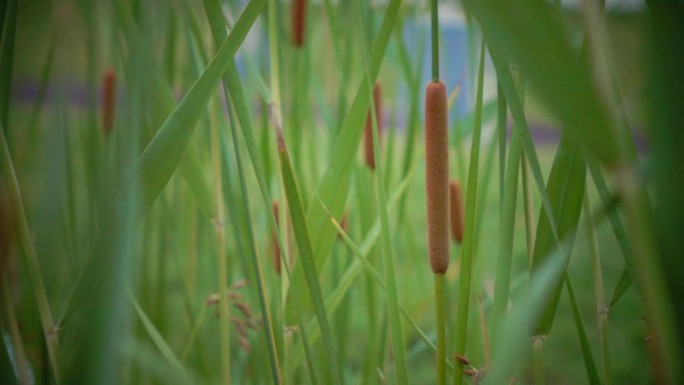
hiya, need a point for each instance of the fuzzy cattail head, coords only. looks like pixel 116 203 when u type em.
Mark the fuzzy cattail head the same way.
pixel 456 206
pixel 437 176
pixel 369 155
pixel 298 22
pixel 108 101
pixel 274 238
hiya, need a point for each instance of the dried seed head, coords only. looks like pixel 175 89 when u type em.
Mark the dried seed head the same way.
pixel 298 22
pixel 239 284
pixel 244 308
pixel 108 101
pixel 470 372
pixel 437 176
pixel 461 359
pixel 369 155
pixel 213 299
pixel 274 239
pixel 456 206
pixel 244 343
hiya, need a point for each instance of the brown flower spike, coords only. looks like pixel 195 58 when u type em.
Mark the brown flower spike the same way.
pixel 298 22
pixel 437 176
pixel 456 205
pixel 108 101
pixel 369 155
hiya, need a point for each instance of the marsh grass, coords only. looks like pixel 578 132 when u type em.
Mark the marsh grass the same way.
pixel 141 223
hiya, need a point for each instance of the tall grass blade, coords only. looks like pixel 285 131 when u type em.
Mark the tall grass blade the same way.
pixel 566 193
pixel 468 250
pixel 301 233
pixel 161 157
pixel 29 252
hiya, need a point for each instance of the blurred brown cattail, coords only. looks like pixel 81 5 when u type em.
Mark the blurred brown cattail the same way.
pixel 108 101
pixel 368 133
pixel 437 176
pixel 298 22
pixel 456 206
pixel 276 247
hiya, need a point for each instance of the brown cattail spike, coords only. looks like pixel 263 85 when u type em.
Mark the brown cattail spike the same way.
pixel 298 22
pixel 456 206
pixel 276 247
pixel 108 101
pixel 369 155
pixel 437 176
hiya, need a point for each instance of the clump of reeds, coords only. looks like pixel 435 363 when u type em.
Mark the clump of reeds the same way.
pixel 298 22
pixel 108 101
pixel 437 176
pixel 369 155
pixel 456 205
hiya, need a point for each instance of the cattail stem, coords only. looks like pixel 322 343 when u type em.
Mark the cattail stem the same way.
pixel 298 22
pixel 441 325
pixel 108 101
pixel 435 40
pixel 369 155
pixel 456 207
pixel 437 176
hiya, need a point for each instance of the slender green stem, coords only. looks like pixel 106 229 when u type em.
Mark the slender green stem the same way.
pixel 538 359
pixel 440 306
pixel 601 308
pixel 435 39
pixel 224 314
pixel 468 238
pixel 398 346
pixel 30 254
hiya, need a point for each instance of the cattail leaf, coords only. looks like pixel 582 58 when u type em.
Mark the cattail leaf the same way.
pixel 334 185
pixel 160 343
pixel 161 157
pixel 301 233
pixel 542 57
pixel 565 188
pixel 624 283
pixel 344 284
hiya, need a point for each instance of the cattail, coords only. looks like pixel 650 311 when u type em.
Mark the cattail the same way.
pixel 456 206
pixel 276 247
pixel 298 22
pixel 437 176
pixel 368 133
pixel 108 101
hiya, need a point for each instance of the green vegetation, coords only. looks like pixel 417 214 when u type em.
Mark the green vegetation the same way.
pixel 185 196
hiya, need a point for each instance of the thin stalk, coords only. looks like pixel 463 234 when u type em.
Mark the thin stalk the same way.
pixel 506 237
pixel 601 307
pixel 468 238
pixel 538 360
pixel 435 39
pixel 440 305
pixel 219 220
pixel 19 356
pixel 398 347
pixel 29 253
